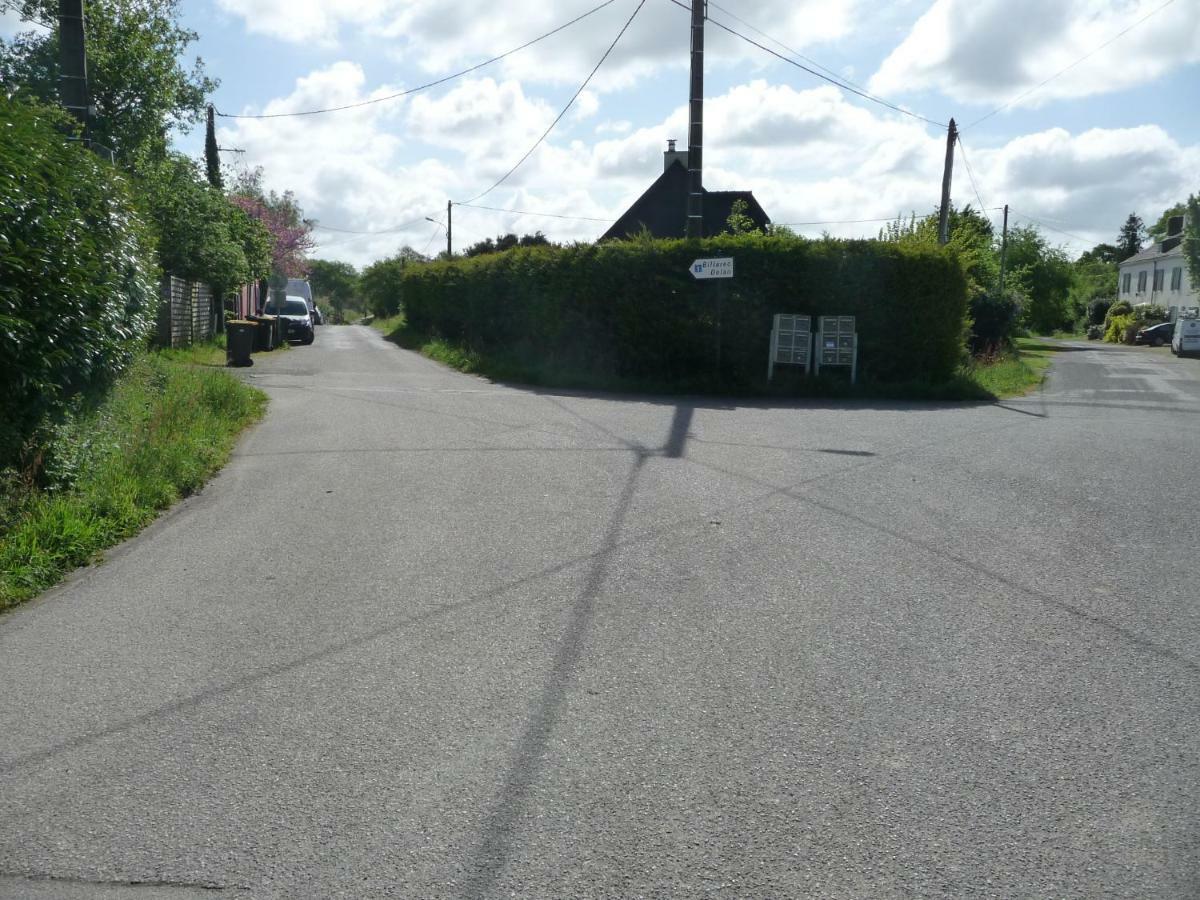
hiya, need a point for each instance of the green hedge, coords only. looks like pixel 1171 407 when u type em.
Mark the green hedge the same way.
pixel 76 289
pixel 632 310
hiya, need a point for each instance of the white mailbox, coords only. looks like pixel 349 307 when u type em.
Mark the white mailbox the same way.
pixel 791 343
pixel 837 344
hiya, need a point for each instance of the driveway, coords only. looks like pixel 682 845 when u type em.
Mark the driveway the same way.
pixel 428 636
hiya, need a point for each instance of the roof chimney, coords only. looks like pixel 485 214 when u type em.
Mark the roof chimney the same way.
pixel 1174 224
pixel 673 155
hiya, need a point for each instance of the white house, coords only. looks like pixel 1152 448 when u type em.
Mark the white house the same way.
pixel 1159 275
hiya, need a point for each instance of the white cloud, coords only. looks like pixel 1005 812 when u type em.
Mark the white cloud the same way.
pixel 438 37
pixel 305 20
pixel 990 51
pixel 807 155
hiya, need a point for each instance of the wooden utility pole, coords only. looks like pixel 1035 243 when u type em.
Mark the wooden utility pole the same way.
pixel 1003 250
pixel 695 202
pixel 449 229
pixel 948 172
pixel 72 58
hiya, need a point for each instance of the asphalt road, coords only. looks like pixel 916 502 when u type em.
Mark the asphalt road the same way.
pixel 432 637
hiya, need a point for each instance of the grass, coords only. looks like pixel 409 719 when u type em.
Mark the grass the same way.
pixel 1010 374
pixel 167 425
pixel 1016 372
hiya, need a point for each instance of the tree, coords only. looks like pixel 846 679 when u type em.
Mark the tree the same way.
pixel 506 242
pixel 1191 240
pixel 739 221
pixel 1158 231
pixel 1044 274
pixel 1131 237
pixel 290 233
pixel 1105 253
pixel 335 280
pixel 139 87
pixel 202 235
pixel 972 237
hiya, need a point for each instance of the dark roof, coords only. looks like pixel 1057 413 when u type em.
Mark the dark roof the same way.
pixel 663 208
pixel 1154 251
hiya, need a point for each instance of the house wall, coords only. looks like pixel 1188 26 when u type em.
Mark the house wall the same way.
pixel 1186 297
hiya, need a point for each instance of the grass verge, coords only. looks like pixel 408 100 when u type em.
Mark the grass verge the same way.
pixel 1010 374
pixel 157 436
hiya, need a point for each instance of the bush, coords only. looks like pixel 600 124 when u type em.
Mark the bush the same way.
pixel 994 322
pixel 1097 310
pixel 77 293
pixel 1150 315
pixel 631 309
pixel 1120 308
pixel 1121 329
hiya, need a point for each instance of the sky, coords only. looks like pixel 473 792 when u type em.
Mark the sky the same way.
pixel 1114 133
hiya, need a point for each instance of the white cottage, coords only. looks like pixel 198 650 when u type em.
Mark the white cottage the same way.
pixel 1159 275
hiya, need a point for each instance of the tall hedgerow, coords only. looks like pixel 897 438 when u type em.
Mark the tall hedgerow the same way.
pixel 631 309
pixel 77 292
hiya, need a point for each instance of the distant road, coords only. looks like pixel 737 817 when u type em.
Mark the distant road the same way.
pixel 427 637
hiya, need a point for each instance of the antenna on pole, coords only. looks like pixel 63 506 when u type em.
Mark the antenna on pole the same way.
pixel 695 201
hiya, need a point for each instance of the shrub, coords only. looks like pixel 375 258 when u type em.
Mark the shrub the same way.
pixel 1150 314
pixel 994 322
pixel 631 309
pixel 1097 309
pixel 1121 329
pixel 1120 308
pixel 76 289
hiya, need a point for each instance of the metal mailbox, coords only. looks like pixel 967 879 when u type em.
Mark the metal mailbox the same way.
pixel 837 344
pixel 791 343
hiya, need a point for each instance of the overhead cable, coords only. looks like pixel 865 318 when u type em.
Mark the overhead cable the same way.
pixel 525 212
pixel 570 102
pixel 971 175
pixel 835 81
pixel 1074 237
pixel 423 87
pixel 1065 69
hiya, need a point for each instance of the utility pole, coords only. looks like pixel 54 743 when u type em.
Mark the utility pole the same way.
pixel 72 57
pixel 1003 250
pixel 449 230
pixel 695 202
pixel 944 213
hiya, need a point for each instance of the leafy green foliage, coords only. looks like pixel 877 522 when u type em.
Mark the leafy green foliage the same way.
pixel 156 437
pixel 1121 328
pixel 138 85
pixel 1097 310
pixel 1158 231
pixel 334 282
pixel 1045 275
pixel 202 236
pixel 506 242
pixel 380 282
pixel 739 221
pixel 1130 238
pixel 76 290
pixel 1191 240
pixel 994 322
pixel 631 309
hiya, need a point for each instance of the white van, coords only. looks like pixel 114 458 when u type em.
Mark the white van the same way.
pixel 1186 338
pixel 300 287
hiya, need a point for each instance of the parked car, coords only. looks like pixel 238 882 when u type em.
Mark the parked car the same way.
pixel 1186 338
pixel 1155 335
pixel 297 318
pixel 299 287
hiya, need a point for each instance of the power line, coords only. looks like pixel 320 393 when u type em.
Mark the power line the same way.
pixel 392 230
pixel 1086 56
pixel 974 185
pixel 1074 237
pixel 558 118
pixel 836 82
pixel 525 212
pixel 423 87
pixel 796 53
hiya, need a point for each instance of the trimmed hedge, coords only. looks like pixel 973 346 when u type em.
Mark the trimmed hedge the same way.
pixel 631 309
pixel 77 293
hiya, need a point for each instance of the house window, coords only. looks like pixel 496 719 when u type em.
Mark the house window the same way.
pixel 1177 279
pixel 1158 279
pixel 1141 282
pixel 1126 282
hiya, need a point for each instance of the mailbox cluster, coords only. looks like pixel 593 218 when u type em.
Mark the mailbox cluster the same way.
pixel 792 344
